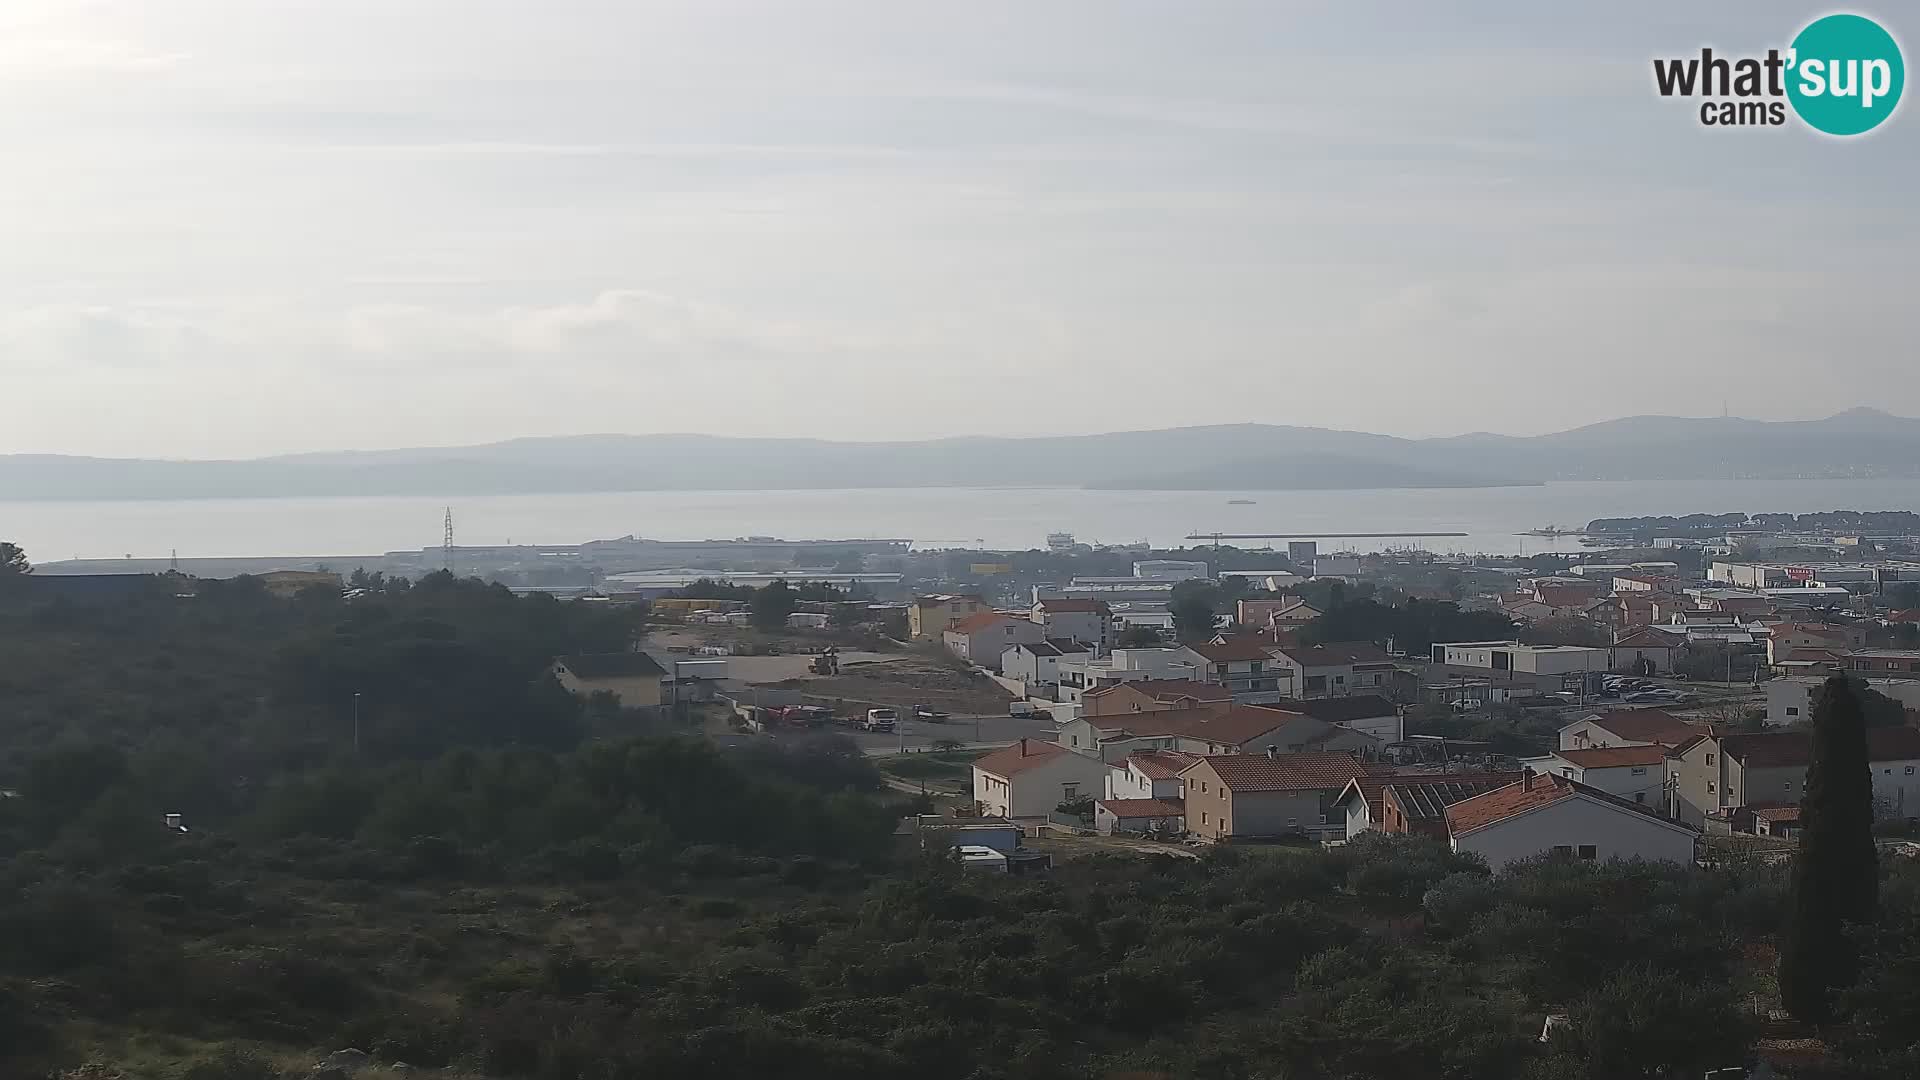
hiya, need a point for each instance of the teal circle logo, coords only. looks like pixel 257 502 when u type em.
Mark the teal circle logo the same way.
pixel 1845 74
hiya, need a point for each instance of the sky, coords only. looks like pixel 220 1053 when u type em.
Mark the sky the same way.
pixel 243 227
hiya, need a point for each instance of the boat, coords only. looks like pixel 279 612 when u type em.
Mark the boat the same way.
pixel 1554 530
pixel 1240 502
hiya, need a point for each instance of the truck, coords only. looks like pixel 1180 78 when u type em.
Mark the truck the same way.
pixel 924 711
pixel 805 716
pixel 881 720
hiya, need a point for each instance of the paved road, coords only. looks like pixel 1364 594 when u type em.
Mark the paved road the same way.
pixel 973 731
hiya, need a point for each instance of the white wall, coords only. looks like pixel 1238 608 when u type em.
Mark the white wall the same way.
pixel 1035 792
pixel 1126 782
pixel 1030 670
pixel 1086 627
pixel 1789 701
pixel 1359 818
pixel 1558 661
pixel 1896 788
pixel 1649 785
pixel 1616 832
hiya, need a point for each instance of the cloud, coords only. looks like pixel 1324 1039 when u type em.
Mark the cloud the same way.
pixel 611 330
pixel 45 58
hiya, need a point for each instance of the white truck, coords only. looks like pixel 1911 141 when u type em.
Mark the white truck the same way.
pixel 881 720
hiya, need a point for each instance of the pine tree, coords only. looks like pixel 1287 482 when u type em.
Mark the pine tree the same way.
pixel 1835 874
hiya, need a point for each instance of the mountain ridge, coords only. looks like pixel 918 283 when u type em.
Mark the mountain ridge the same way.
pixel 1860 441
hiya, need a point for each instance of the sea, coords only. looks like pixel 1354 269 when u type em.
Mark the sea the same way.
pixel 1494 520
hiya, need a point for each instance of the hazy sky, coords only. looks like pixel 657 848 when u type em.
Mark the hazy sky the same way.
pixel 231 227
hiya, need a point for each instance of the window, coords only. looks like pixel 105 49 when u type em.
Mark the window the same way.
pixel 1793 710
pixel 1203 817
pixel 1789 785
pixel 1069 792
pixel 1323 819
pixel 1637 770
pixel 1563 849
pixel 1640 797
pixel 1293 823
pixel 1567 772
pixel 1709 787
pixel 1339 680
pixel 1909 770
pixel 1709 760
pixel 1589 851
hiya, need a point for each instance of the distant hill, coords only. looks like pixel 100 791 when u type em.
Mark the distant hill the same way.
pixel 1859 442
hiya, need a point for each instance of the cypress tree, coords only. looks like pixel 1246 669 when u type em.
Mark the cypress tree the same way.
pixel 1835 874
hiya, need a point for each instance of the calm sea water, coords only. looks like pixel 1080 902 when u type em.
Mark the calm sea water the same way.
pixel 935 517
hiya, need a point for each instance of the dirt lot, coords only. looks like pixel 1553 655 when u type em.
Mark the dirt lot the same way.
pixel 903 681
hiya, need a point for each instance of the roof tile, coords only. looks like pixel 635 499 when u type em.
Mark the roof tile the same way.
pixel 1283 772
pixel 1026 754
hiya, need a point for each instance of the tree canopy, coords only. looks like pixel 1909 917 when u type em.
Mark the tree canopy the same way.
pixel 13 560
pixel 1412 627
pixel 1835 874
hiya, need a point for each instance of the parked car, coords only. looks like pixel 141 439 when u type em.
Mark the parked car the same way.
pixel 1023 708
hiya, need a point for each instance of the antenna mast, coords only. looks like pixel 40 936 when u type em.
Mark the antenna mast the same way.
pixel 446 545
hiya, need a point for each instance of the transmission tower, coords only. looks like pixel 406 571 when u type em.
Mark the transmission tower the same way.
pixel 446 548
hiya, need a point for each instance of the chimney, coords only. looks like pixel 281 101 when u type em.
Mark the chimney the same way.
pixel 1272 751
pixel 1529 780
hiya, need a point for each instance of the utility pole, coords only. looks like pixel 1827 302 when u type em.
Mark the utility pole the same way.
pixel 356 723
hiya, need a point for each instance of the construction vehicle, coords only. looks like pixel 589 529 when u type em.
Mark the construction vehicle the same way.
pixel 826 663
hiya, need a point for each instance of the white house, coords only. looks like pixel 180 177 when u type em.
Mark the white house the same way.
pixel 1031 778
pixel 1089 622
pixel 1790 698
pixel 1336 669
pixel 1646 651
pixel 1148 774
pixel 1637 774
pixel 1627 727
pixel 1243 665
pixel 1525 659
pixel 1038 663
pixel 1078 675
pixel 1552 814
pixel 983 639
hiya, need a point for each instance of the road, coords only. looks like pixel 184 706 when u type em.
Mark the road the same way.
pixel 971 731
